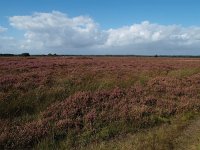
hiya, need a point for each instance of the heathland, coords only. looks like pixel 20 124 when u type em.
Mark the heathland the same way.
pixel 99 103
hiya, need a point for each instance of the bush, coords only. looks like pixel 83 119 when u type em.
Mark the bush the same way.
pixel 25 54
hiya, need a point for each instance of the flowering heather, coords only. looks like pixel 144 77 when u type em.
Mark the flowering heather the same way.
pixel 80 100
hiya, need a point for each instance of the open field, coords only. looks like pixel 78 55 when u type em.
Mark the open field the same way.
pixel 99 103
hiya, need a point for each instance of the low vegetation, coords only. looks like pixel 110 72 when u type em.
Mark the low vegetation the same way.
pixel 99 102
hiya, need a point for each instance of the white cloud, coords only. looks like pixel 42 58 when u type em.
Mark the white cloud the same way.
pixel 151 38
pixel 153 34
pixel 57 32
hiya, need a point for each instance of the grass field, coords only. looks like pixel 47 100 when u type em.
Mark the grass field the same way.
pixel 99 103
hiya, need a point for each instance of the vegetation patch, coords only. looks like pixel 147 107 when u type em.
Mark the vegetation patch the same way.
pixel 76 103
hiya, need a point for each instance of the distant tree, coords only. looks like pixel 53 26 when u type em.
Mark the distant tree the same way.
pixel 55 54
pixel 156 55
pixel 25 54
pixel 7 55
pixel 49 54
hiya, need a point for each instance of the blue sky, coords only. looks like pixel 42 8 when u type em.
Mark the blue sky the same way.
pixel 139 25
pixel 110 13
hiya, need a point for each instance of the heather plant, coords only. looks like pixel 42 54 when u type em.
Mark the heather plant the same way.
pixel 74 101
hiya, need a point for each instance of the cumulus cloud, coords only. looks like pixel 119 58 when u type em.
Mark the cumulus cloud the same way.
pixel 58 31
pixel 63 34
pixel 154 36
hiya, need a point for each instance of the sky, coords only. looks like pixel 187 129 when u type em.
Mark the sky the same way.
pixel 144 27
